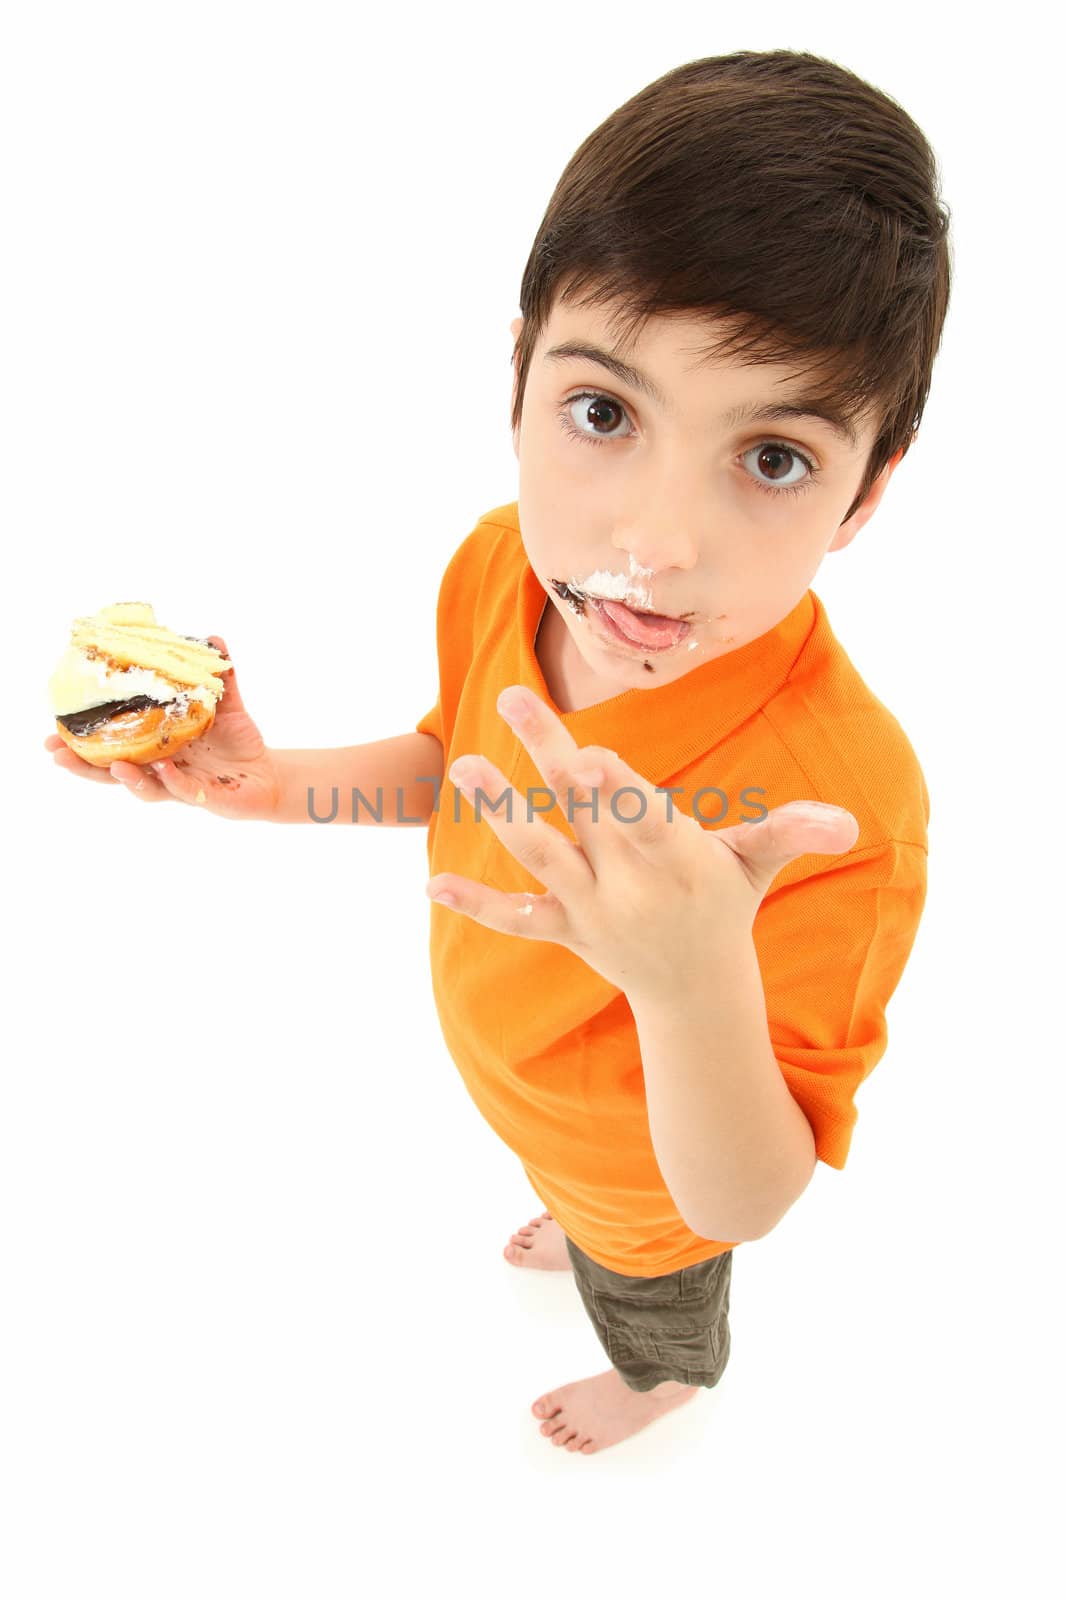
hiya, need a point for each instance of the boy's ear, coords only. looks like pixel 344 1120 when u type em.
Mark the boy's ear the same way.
pixel 866 509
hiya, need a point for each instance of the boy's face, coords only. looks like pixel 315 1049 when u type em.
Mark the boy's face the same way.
pixel 666 512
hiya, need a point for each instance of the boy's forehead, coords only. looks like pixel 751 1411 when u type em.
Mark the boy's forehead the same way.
pixel 693 341
pixel 693 335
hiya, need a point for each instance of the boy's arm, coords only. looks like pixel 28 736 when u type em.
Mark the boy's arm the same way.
pixel 318 785
pixel 798 1004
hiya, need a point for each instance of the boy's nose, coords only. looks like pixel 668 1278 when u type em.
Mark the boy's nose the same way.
pixel 660 546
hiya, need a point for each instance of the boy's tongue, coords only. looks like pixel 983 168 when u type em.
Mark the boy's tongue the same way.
pixel 643 628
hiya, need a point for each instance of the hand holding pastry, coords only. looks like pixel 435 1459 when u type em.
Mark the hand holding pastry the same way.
pixel 138 705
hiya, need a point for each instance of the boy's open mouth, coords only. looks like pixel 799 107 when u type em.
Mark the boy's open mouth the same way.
pixel 647 630
pixel 638 629
pixel 626 624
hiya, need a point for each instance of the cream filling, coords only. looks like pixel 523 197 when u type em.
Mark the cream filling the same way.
pixel 79 683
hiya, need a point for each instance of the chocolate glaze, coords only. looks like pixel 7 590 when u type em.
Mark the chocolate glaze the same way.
pixel 574 598
pixel 82 722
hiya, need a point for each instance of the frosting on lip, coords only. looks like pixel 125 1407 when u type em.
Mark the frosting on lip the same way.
pixel 633 590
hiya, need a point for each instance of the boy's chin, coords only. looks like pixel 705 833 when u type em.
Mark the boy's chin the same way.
pixel 618 667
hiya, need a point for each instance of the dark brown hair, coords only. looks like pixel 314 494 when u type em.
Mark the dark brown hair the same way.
pixel 779 193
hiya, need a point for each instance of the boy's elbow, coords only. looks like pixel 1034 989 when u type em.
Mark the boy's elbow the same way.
pixel 756 1221
pixel 717 1231
pixel 786 1200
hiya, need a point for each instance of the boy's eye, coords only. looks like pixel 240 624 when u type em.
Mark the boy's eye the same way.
pixel 596 405
pixel 776 452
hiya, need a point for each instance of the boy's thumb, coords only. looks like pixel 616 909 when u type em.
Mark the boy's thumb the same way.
pixel 231 694
pixel 800 827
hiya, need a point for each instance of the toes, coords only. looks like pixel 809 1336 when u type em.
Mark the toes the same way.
pixel 522 1240
pixel 558 1429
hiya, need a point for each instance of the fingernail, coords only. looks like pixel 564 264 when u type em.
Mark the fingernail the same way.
pixel 463 773
pixel 512 707
pixel 590 776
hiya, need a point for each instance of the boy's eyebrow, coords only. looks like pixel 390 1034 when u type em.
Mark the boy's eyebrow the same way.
pixel 773 411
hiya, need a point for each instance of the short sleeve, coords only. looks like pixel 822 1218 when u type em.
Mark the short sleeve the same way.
pixel 831 949
pixel 432 722
pixel 456 611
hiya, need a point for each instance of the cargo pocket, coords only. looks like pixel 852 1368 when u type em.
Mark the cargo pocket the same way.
pixel 692 1350
pixel 702 1352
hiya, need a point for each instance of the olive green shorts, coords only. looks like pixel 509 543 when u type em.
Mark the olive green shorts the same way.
pixel 671 1328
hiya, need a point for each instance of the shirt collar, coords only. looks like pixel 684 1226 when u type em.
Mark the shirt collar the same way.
pixel 659 731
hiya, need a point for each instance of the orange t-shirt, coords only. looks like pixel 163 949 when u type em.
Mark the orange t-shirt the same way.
pixel 547 1048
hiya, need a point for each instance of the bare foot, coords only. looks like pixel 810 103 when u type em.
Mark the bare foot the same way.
pixel 540 1244
pixel 599 1412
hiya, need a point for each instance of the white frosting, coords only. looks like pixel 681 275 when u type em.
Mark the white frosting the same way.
pixel 79 683
pixel 633 590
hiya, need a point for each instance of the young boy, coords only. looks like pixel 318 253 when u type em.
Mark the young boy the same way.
pixel 688 854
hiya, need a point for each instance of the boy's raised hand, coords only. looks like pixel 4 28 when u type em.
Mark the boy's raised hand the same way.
pixel 228 770
pixel 647 895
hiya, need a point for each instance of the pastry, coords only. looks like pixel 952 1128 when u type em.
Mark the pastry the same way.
pixel 127 689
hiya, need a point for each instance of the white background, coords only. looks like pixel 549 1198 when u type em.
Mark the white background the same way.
pixel 257 1334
